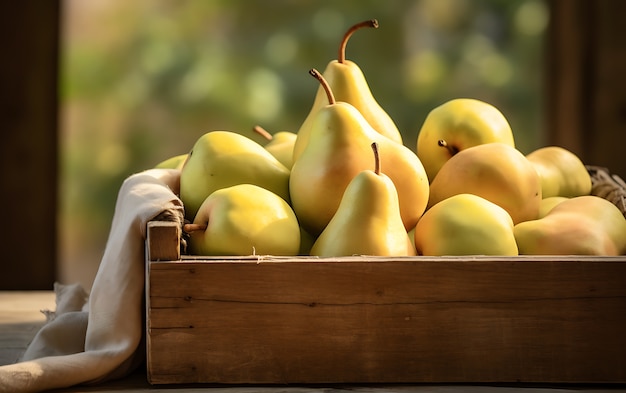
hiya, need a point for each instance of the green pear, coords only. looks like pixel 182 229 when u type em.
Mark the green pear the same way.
pixel 584 225
pixel 280 144
pixel 367 221
pixel 222 159
pixel 456 125
pixel 465 224
pixel 548 203
pixel 495 171
pixel 338 150
pixel 244 219
pixel 349 85
pixel 562 173
pixel 175 162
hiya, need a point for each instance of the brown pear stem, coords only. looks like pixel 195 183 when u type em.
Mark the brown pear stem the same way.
pixel 329 93
pixel 376 158
pixel 451 149
pixel 342 47
pixel 263 132
pixel 188 228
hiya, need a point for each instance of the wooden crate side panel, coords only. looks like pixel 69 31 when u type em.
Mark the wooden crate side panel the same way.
pixel 303 323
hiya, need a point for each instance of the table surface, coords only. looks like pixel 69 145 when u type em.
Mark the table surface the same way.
pixel 21 318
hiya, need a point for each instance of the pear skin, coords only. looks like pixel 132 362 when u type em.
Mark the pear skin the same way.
pixel 456 125
pixel 367 221
pixel 548 203
pixel 279 144
pixel 495 171
pixel 349 85
pixel 245 219
pixel 465 224
pixel 175 162
pixel 222 159
pixel 338 150
pixel 562 173
pixel 584 225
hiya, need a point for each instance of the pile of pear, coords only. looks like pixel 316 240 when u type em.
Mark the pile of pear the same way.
pixel 346 184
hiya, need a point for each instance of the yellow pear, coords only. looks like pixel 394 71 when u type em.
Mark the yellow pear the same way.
pixel 349 85
pixel 548 203
pixel 584 225
pixel 562 173
pixel 495 171
pixel 244 219
pixel 280 144
pixel 367 221
pixel 175 162
pixel 456 125
pixel 339 149
pixel 465 224
pixel 222 159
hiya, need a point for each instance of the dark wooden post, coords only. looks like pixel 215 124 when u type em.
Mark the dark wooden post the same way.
pixel 28 151
pixel 586 80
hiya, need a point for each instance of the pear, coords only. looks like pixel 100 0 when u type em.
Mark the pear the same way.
pixel 367 221
pixel 306 242
pixel 548 203
pixel 244 219
pixel 456 125
pixel 174 162
pixel 562 173
pixel 349 85
pixel 222 159
pixel 339 149
pixel 465 224
pixel 495 171
pixel 584 225
pixel 280 144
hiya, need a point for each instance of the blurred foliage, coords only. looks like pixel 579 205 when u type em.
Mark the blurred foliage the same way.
pixel 141 80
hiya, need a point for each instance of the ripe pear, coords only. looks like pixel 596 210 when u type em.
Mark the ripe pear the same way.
pixel 222 159
pixel 244 219
pixel 465 224
pixel 280 144
pixel 562 173
pixel 338 150
pixel 548 203
pixel 584 225
pixel 456 125
pixel 367 221
pixel 495 171
pixel 349 85
pixel 175 162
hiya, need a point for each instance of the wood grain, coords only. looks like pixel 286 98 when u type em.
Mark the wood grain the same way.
pixel 364 320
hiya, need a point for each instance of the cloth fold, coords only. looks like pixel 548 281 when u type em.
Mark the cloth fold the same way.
pixel 97 337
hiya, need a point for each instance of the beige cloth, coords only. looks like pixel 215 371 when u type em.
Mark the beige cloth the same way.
pixel 90 339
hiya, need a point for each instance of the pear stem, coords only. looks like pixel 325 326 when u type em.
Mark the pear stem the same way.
pixel 329 93
pixel 188 228
pixel 342 47
pixel 376 158
pixel 263 132
pixel 451 149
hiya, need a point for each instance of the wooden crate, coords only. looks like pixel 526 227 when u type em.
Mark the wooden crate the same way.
pixel 269 320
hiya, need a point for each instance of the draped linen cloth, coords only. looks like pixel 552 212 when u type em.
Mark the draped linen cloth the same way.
pixel 92 338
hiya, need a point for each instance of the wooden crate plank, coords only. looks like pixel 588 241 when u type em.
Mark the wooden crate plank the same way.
pixel 413 320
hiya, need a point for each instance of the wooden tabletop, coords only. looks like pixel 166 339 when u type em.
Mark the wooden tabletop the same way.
pixel 21 317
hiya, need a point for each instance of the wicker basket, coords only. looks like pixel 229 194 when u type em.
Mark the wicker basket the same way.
pixel 608 186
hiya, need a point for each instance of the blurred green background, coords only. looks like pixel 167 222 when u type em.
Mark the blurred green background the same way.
pixel 141 80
